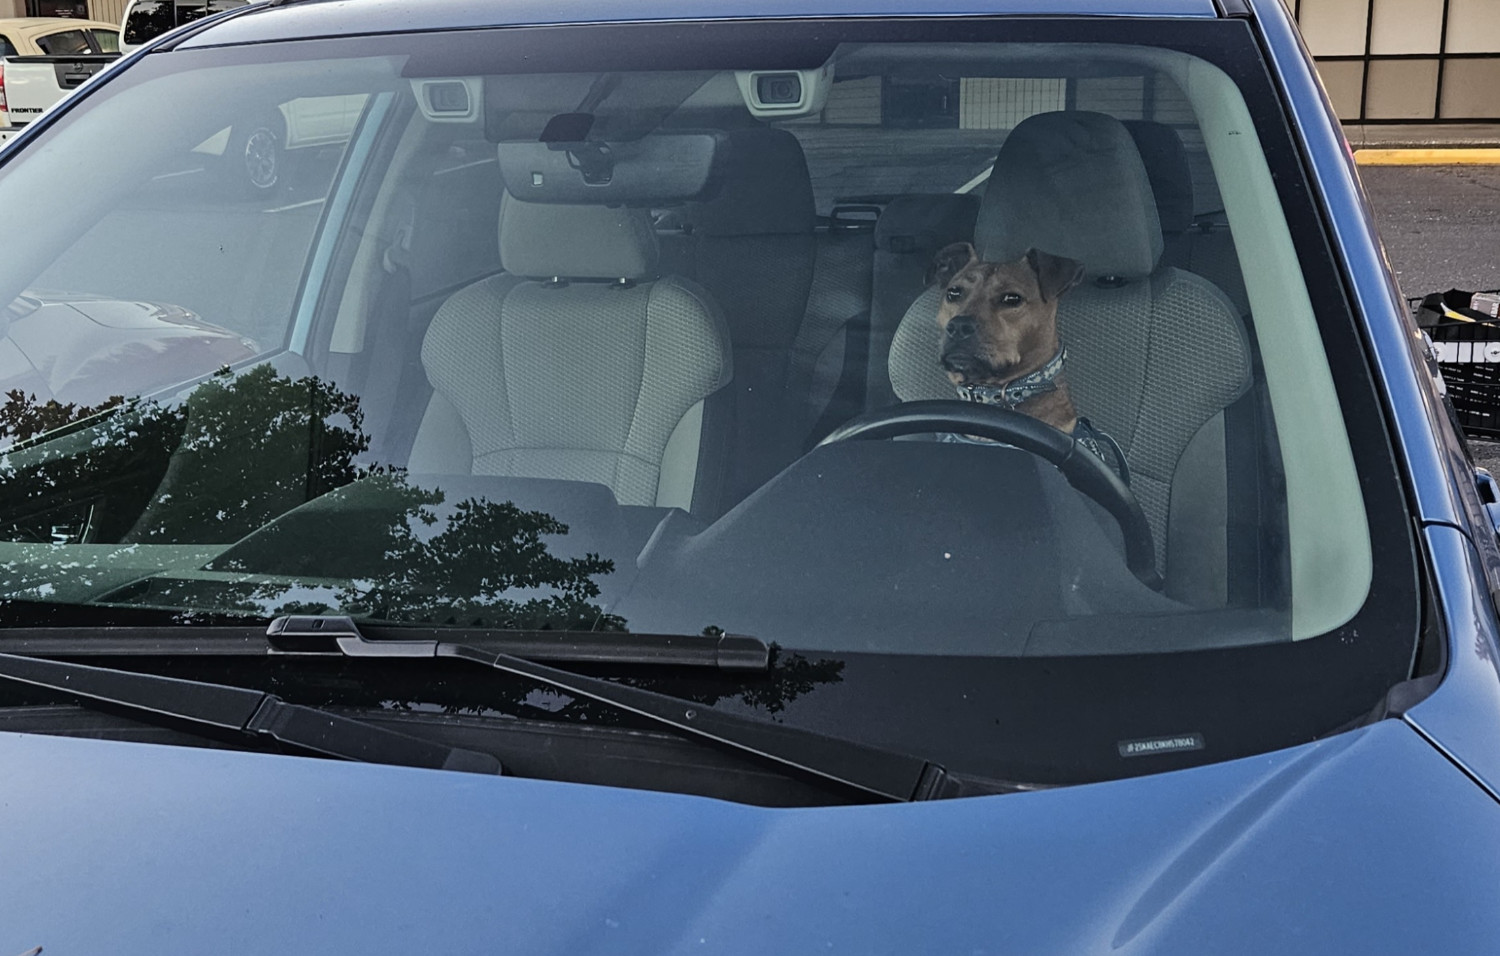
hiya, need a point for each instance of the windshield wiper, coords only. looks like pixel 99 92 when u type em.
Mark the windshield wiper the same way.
pixel 726 652
pixel 871 770
pixel 218 711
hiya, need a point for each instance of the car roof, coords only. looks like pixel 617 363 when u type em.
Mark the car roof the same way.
pixel 326 18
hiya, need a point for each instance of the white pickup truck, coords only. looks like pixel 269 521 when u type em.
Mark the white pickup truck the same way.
pixel 31 84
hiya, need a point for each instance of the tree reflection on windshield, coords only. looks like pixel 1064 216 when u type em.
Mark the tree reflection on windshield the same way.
pixel 405 553
pixel 22 416
pixel 272 462
pixel 268 466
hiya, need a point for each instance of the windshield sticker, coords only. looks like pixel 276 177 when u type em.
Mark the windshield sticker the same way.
pixel 1161 745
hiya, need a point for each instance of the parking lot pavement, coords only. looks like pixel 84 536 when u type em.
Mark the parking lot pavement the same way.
pixel 1441 228
pixel 1440 224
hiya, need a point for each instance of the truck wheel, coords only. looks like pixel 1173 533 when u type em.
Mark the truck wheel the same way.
pixel 255 159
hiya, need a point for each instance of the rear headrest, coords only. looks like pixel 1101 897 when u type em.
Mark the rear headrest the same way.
pixel 766 189
pixel 1166 162
pixel 925 222
pixel 547 240
pixel 1072 184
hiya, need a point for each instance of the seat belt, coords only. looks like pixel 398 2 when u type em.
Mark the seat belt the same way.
pixel 848 397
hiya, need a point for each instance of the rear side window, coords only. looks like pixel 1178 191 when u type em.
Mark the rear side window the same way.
pixel 108 41
pixel 7 48
pixel 67 43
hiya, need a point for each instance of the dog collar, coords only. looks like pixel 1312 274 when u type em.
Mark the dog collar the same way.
pixel 1023 389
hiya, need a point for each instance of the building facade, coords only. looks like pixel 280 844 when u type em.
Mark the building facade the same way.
pixel 110 11
pixel 1406 61
pixel 1383 61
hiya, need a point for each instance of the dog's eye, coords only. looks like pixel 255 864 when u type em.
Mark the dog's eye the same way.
pixel 955 292
pixel 1011 299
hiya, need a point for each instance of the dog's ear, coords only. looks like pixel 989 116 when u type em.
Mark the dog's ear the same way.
pixel 1054 274
pixel 949 262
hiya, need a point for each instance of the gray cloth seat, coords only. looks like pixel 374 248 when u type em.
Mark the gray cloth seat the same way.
pixel 1201 245
pixel 578 363
pixel 1155 353
pixel 788 293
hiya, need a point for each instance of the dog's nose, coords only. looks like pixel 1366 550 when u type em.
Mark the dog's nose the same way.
pixel 960 327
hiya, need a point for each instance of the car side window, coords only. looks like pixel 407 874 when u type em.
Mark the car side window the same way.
pixel 108 41
pixel 66 43
pixel 251 193
pixel 7 48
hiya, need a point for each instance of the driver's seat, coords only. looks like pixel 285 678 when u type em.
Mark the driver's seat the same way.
pixel 1155 353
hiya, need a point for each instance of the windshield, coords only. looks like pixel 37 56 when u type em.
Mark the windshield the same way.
pixel 1012 353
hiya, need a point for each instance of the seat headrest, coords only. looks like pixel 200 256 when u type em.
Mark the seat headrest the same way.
pixel 925 222
pixel 766 188
pixel 1071 183
pixel 547 240
pixel 1166 162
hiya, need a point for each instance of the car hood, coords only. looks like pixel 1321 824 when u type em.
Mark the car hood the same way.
pixel 1369 841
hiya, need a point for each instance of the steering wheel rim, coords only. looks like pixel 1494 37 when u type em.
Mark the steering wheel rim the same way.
pixel 1084 470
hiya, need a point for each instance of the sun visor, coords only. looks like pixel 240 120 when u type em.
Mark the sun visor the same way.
pixel 659 168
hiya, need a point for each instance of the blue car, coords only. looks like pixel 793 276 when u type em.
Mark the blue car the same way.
pixel 839 477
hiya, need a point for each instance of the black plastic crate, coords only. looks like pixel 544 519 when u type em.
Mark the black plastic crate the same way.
pixel 1467 344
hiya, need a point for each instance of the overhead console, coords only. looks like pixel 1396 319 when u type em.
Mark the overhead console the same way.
pixel 613 143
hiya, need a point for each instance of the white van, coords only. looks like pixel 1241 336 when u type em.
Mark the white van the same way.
pixel 145 20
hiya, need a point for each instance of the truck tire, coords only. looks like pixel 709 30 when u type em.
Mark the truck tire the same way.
pixel 255 159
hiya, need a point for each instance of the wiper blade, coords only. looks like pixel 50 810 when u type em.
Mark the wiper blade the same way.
pixel 223 712
pixel 871 770
pixel 727 652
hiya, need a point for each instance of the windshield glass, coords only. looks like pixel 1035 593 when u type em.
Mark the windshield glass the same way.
pixel 399 329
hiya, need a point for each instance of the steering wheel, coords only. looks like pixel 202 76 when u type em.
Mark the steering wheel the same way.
pixel 1084 470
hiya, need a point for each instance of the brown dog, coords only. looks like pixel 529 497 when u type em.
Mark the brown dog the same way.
pixel 999 341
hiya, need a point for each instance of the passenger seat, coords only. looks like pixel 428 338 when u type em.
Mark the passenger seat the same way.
pixel 579 363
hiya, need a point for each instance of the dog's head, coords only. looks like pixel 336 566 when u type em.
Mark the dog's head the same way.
pixel 998 319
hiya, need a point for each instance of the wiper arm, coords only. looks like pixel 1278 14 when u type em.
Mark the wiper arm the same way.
pixel 222 712
pixel 726 652
pixel 871 770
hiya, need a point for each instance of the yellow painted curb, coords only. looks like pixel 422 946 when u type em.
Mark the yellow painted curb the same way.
pixel 1427 157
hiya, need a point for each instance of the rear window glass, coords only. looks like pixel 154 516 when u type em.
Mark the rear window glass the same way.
pixel 66 43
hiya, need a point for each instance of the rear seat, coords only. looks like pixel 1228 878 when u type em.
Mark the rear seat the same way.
pixel 1198 244
pixel 795 298
pixel 811 308
pixel 910 231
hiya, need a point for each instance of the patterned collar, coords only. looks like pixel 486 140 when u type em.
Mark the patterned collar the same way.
pixel 1020 390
